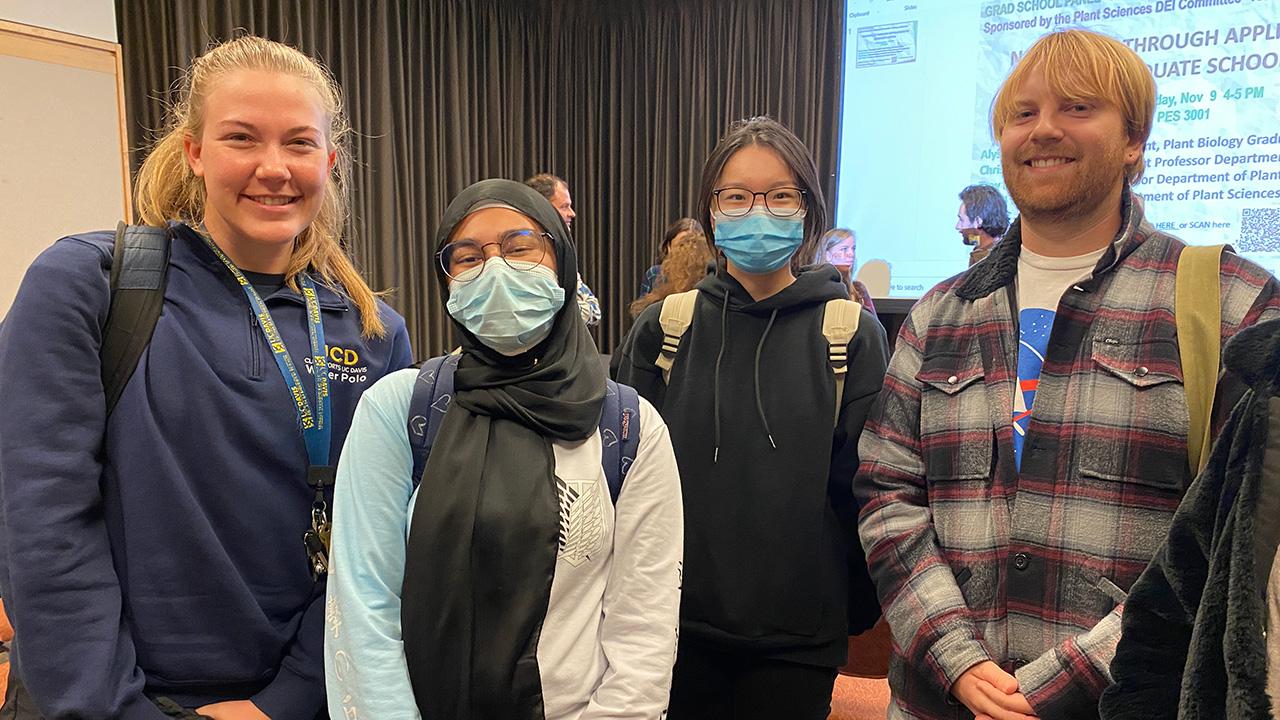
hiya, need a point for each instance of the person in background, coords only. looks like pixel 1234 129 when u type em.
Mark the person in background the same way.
pixel 1201 630
pixel 685 262
pixel 652 275
pixel 839 248
pixel 155 556
pixel 556 191
pixel 1030 447
pixel 983 218
pixel 523 591
pixel 774 578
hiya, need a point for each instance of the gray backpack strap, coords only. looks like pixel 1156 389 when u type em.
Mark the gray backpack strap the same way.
pixel 139 270
pixel 675 319
pixel 839 325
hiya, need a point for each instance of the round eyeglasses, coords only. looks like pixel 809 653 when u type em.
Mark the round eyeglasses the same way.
pixel 463 261
pixel 779 202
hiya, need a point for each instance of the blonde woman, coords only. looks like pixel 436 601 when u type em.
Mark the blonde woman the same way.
pixel 685 261
pixel 156 559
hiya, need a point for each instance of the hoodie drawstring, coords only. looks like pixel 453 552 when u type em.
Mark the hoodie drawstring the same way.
pixel 724 340
pixel 759 400
pixel 724 328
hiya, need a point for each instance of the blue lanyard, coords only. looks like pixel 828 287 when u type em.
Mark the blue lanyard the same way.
pixel 316 429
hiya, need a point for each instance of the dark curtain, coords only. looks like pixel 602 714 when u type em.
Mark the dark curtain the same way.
pixel 624 100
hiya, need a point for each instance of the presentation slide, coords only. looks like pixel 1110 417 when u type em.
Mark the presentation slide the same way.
pixel 919 79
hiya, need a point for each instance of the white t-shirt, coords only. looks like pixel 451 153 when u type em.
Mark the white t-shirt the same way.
pixel 608 641
pixel 1041 283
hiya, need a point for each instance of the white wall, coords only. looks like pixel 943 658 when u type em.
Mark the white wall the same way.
pixel 91 18
pixel 60 133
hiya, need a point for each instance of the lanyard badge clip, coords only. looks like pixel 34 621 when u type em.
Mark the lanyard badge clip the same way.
pixel 316 539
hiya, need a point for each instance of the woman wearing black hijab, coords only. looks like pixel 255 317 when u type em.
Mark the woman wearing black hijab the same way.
pixel 523 592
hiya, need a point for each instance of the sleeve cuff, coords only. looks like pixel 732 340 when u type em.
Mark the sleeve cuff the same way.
pixel 1036 677
pixel 953 654
pixel 1057 693
pixel 291 697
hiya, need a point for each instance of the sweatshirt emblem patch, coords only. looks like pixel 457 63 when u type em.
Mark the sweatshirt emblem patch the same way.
pixel 581 520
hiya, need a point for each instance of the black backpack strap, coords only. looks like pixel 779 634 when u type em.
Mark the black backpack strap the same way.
pixel 139 268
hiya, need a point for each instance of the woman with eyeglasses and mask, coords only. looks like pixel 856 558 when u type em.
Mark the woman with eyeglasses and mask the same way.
pixel 774 577
pixel 526 590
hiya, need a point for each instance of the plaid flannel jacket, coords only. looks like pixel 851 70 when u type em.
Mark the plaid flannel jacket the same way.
pixel 975 561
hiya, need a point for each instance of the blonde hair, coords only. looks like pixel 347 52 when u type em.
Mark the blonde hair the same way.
pixel 1084 65
pixel 166 188
pixel 685 264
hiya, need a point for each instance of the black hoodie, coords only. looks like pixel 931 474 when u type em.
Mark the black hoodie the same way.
pixel 772 561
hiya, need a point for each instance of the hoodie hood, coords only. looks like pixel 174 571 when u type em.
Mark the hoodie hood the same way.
pixel 813 286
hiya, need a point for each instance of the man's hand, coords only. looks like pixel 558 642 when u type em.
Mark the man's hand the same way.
pixel 233 710
pixel 992 694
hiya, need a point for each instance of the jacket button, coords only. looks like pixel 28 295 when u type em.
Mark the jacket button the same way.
pixel 953 380
pixel 1021 561
pixel 1141 372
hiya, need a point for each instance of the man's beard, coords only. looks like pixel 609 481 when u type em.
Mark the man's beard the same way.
pixel 1076 197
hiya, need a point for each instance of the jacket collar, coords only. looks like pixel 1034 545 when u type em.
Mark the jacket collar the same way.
pixel 328 297
pixel 1000 268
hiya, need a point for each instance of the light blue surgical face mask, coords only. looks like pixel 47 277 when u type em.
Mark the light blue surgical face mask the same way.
pixel 759 242
pixel 508 309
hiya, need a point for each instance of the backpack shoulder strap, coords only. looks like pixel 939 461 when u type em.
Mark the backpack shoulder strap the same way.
pixel 619 434
pixel 675 318
pixel 432 394
pixel 1198 314
pixel 139 271
pixel 839 325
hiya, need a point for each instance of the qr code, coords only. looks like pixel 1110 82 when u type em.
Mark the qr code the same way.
pixel 1259 230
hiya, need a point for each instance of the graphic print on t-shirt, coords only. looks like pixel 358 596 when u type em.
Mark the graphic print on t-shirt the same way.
pixel 1034 325
pixel 1042 281
pixel 581 519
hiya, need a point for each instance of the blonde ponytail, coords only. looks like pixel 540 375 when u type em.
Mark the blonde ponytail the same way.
pixel 166 188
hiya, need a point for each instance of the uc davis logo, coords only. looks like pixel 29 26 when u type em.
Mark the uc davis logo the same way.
pixel 344 366
pixel 343 356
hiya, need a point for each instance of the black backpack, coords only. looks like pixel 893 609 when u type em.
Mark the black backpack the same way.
pixel 139 270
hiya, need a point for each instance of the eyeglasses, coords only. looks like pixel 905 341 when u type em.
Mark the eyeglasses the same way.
pixel 463 261
pixel 779 202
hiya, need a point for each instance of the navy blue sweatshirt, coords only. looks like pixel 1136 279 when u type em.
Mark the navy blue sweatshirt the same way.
pixel 160 552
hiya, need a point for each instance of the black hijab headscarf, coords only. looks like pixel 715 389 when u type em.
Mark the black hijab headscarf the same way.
pixel 485 528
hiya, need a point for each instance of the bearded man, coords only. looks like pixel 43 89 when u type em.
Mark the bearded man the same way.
pixel 1026 456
